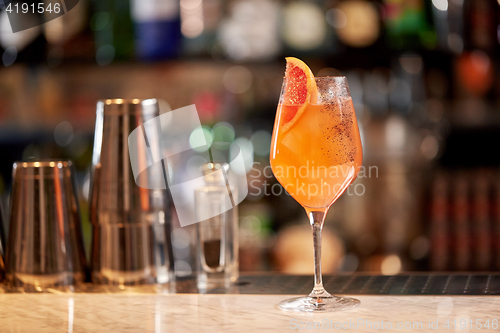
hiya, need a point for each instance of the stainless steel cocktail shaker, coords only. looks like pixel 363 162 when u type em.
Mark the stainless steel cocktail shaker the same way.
pixel 131 224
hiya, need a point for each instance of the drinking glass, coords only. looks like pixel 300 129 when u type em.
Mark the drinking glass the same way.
pixel 45 248
pixel 217 231
pixel 316 154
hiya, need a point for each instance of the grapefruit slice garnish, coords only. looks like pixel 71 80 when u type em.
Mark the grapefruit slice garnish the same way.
pixel 300 91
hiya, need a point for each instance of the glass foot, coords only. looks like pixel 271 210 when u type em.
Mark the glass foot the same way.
pixel 319 304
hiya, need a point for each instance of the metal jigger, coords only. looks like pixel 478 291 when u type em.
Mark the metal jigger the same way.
pixel 131 224
pixel 45 247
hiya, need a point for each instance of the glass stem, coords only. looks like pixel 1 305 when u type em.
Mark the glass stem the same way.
pixel 317 218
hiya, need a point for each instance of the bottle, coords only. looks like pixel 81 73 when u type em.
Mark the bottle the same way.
pixel 114 36
pixel 199 23
pixel 408 25
pixel 480 24
pixel 217 233
pixel 157 28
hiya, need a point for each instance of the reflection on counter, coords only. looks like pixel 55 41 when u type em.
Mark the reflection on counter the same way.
pixel 242 313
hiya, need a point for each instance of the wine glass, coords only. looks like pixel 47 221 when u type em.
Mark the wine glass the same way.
pixel 316 154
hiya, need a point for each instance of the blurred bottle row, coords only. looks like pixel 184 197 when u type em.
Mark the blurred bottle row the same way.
pixel 252 30
pixel 464 220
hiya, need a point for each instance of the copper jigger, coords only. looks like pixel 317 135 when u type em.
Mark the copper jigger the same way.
pixel 131 224
pixel 45 247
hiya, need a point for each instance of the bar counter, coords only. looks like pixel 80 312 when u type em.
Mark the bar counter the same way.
pixel 466 302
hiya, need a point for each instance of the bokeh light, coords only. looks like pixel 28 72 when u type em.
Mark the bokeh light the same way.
pixel 420 247
pixel 194 164
pixel 261 141
pixel 63 134
pixel 9 56
pixel 391 265
pixel 192 24
pixel 237 79
pixel 181 243
pixel 99 21
pixel 441 5
pixel 349 263
pixel 245 146
pixel 201 139
pixel 105 55
pixel 223 135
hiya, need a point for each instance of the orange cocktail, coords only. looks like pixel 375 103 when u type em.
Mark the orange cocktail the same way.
pixel 319 156
pixel 315 154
